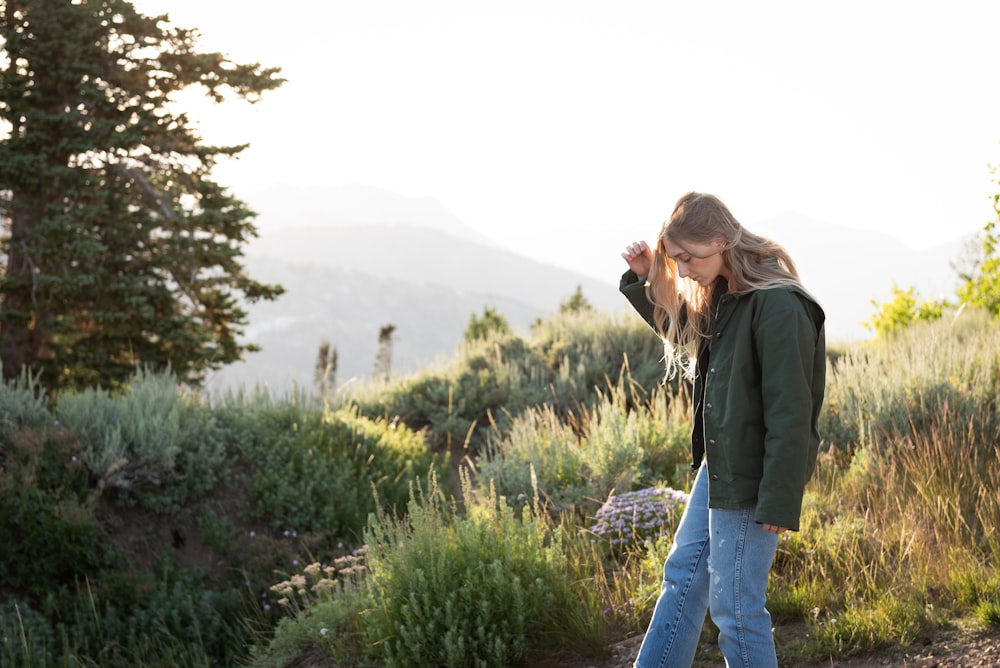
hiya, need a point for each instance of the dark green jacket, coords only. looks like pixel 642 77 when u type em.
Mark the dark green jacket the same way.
pixel 763 389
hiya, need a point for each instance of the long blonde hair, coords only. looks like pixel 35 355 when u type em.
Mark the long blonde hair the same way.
pixel 681 308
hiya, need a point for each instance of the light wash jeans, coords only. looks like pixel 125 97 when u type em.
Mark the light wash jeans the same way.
pixel 720 561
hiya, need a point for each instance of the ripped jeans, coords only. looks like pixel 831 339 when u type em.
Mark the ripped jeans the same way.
pixel 720 561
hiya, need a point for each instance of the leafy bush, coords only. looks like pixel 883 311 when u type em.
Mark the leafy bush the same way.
pixel 153 444
pixel 899 386
pixel 474 590
pixel 568 359
pixel 50 536
pixel 316 471
pixel 902 311
pixel 171 620
pixel 22 407
pixel 981 284
pixel 619 443
pixel 26 637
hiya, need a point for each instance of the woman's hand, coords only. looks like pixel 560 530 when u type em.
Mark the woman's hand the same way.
pixel 775 530
pixel 639 257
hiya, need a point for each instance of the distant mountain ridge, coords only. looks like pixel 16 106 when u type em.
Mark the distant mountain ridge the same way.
pixel 356 258
pixel 848 268
pixel 353 259
pixel 282 207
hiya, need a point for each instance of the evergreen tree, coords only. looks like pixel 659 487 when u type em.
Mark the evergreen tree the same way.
pixel 117 249
pixel 480 328
pixel 576 303
pixel 326 368
pixel 383 359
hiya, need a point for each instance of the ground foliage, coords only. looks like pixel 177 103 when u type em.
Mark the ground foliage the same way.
pixel 249 495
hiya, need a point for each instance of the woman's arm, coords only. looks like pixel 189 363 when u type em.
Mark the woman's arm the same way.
pixel 633 282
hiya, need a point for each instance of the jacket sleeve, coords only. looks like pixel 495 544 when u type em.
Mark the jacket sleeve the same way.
pixel 787 341
pixel 635 291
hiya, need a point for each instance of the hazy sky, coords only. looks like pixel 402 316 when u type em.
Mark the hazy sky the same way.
pixel 553 126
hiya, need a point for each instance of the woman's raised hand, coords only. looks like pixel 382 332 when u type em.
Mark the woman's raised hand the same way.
pixel 639 257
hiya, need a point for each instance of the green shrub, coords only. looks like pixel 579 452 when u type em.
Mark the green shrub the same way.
pixel 541 452
pixel 902 311
pixel 154 444
pixel 313 471
pixel 49 534
pixel 898 386
pixel 22 407
pixel 620 443
pixel 172 620
pixel 567 360
pixel 629 449
pixel 27 639
pixel 475 590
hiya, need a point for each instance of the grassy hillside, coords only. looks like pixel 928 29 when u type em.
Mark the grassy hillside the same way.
pixel 516 502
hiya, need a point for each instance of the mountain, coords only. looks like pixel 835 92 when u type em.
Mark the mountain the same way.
pixel 351 263
pixel 847 268
pixel 281 207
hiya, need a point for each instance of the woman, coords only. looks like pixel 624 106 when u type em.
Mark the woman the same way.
pixel 737 323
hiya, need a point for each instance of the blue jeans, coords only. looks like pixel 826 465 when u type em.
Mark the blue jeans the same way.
pixel 720 561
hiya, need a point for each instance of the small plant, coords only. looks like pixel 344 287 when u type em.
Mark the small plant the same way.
pixel 317 581
pixel 630 519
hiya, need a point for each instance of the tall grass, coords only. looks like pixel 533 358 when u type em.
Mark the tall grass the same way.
pixel 902 516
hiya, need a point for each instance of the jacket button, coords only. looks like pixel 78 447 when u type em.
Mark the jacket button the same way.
pixel 711 441
pixel 707 406
pixel 715 477
pixel 718 335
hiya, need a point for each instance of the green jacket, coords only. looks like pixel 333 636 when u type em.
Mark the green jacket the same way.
pixel 763 389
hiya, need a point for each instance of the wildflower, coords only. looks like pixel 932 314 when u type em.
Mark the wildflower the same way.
pixel 637 516
pixel 253 533
pixel 324 631
pixel 323 585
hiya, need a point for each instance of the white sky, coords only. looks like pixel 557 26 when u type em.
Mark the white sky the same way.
pixel 547 124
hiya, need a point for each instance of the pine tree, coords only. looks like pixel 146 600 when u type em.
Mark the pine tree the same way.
pixel 576 303
pixel 117 249
pixel 491 322
pixel 383 360
pixel 326 368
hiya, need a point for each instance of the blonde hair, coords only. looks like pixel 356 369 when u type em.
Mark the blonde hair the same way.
pixel 681 308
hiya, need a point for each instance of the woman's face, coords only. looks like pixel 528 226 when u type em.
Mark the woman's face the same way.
pixel 701 263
